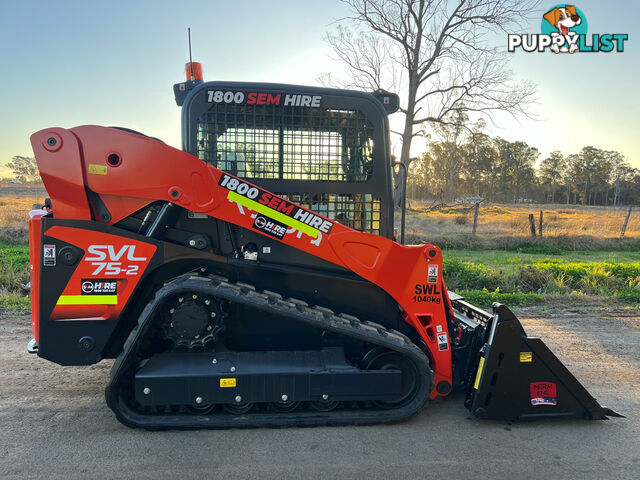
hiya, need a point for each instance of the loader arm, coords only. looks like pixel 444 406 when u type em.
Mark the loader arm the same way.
pixel 128 171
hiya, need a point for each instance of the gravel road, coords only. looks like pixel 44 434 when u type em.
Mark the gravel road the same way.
pixel 54 424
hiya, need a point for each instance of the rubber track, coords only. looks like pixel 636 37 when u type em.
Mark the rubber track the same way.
pixel 273 303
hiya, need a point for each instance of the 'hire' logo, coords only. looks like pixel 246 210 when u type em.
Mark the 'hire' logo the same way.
pixel 564 30
pixel 99 286
pixel 269 226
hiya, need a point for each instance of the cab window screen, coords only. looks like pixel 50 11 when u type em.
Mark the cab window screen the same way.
pixel 289 143
pixel 358 211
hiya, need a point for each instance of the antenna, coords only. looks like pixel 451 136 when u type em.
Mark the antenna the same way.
pixel 190 58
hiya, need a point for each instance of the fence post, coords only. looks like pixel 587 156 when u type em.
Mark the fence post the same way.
pixel 475 218
pixel 532 224
pixel 540 226
pixel 626 220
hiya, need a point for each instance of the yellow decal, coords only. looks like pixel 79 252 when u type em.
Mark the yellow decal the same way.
pixel 87 300
pixel 97 169
pixel 274 215
pixel 479 374
pixel 526 357
pixel 227 382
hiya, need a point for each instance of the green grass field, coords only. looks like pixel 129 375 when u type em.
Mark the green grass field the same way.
pixel 482 276
pixel 520 278
pixel 14 269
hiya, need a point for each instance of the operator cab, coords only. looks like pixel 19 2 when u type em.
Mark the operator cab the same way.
pixel 325 149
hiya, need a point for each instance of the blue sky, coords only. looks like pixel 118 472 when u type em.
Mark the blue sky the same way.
pixel 68 63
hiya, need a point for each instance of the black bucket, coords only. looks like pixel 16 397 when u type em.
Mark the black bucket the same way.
pixel 519 378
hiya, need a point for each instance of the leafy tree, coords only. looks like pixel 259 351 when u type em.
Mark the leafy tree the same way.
pixel 550 172
pixel 620 170
pixel 423 181
pixel 571 177
pixel 448 154
pixel 591 171
pixel 480 162
pixel 24 169
pixel 626 184
pixel 516 167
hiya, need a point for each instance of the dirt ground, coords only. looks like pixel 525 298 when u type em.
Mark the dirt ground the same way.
pixel 54 424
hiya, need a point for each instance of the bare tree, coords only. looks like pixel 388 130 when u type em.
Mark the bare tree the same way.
pixel 436 54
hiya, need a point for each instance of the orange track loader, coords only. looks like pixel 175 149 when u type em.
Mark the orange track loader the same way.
pixel 253 278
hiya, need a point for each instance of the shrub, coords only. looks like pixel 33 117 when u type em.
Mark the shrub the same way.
pixel 484 298
pixel 626 270
pixel 15 303
pixel 531 279
pixel 629 294
pixel 14 235
pixel 14 267
pixel 466 275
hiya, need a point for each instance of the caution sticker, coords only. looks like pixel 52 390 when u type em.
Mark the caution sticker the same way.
pixel 227 382
pixel 97 169
pixel 526 357
pixel 443 343
pixel 49 255
pixel 432 274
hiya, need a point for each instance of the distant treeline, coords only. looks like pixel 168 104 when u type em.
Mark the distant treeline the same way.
pixel 466 161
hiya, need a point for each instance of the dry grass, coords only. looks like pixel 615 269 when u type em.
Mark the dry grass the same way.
pixel 571 223
pixel 15 203
pixel 14 210
pixel 576 226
